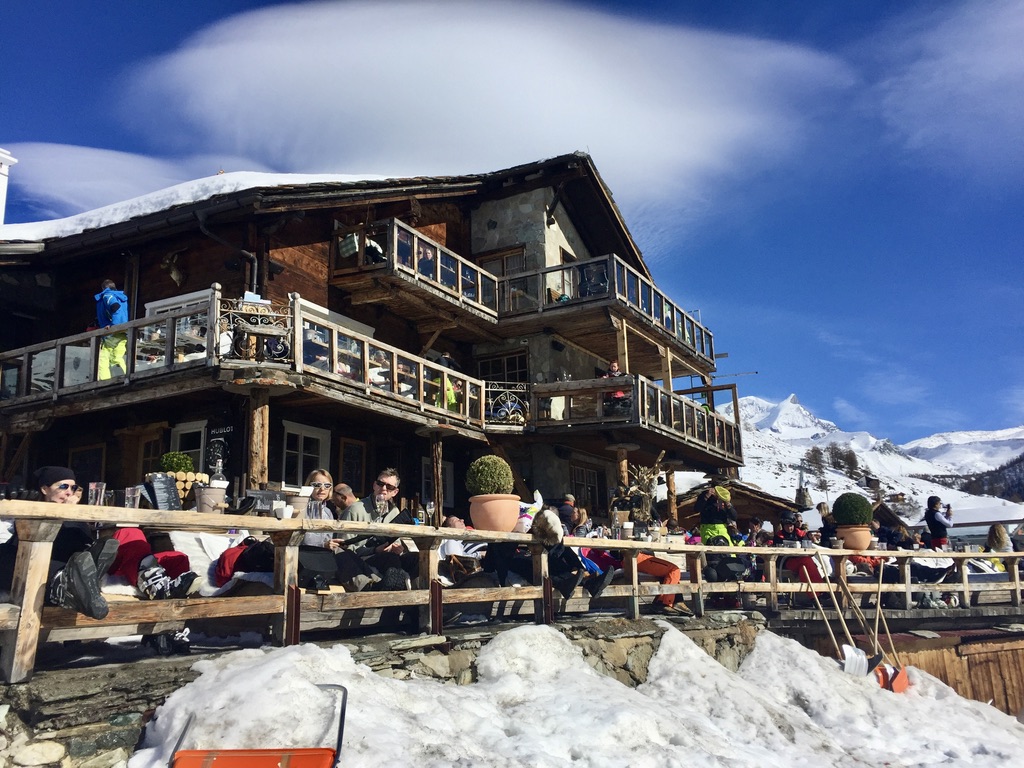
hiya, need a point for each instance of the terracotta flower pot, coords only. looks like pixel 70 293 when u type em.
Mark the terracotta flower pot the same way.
pixel 854 536
pixel 494 511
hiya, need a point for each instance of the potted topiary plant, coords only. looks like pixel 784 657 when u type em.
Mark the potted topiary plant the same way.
pixel 492 505
pixel 852 513
pixel 176 461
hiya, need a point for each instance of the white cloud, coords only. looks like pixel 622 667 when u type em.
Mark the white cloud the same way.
pixel 953 86
pixel 62 179
pixel 848 413
pixel 423 88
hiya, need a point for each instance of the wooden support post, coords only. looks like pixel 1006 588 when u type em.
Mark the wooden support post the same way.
pixel 543 609
pixel 28 590
pixel 670 495
pixel 772 572
pixel 286 575
pixel 430 615
pixel 259 436
pixel 695 565
pixel 629 566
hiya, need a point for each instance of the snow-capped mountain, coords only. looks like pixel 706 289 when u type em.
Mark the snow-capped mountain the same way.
pixel 969 452
pixel 777 436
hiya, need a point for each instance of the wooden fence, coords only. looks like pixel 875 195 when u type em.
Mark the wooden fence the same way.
pixel 25 621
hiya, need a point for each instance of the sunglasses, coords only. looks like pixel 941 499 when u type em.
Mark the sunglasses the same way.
pixel 389 486
pixel 69 487
pixel 322 485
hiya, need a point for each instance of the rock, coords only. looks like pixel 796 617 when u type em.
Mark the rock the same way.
pixel 111 759
pixel 40 753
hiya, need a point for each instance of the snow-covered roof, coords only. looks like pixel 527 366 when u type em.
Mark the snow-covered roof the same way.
pixel 185 193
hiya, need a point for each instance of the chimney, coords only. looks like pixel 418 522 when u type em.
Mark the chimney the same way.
pixel 6 161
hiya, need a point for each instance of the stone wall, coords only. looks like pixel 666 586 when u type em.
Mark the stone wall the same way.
pixel 93 716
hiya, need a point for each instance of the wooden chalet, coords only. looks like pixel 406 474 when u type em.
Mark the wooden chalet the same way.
pixel 287 326
pixel 749 502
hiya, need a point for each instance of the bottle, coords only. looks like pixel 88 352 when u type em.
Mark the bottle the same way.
pixel 218 474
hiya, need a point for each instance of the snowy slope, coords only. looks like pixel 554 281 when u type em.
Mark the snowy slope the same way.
pixel 776 436
pixel 968 452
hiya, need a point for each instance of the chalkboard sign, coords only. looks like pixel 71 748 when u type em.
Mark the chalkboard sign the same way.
pixel 162 490
pixel 264 506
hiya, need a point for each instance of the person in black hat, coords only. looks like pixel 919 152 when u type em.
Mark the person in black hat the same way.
pixel 939 522
pixel 77 560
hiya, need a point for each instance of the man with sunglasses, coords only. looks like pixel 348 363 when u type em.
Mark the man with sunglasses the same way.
pixel 388 555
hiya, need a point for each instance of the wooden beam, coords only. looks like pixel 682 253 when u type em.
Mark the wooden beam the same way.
pixel 259 435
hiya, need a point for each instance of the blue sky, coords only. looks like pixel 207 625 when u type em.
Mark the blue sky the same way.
pixel 836 187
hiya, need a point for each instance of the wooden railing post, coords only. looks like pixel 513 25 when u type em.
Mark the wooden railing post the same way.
pixel 286 575
pixel 28 591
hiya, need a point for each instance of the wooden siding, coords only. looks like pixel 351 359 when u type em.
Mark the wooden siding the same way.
pixel 988 672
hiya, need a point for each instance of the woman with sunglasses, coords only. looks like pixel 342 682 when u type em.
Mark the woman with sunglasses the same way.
pixel 317 507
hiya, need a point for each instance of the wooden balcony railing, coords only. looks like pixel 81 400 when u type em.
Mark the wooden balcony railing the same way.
pixel 636 401
pixel 394 246
pixel 608 277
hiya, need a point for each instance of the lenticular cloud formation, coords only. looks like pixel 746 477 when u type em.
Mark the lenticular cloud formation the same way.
pixel 539 703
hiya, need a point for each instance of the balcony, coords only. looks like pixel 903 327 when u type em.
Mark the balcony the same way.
pixel 625 402
pixel 605 280
pixel 392 263
pixel 295 340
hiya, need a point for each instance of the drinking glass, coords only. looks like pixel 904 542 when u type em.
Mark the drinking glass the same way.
pixel 131 496
pixel 96 493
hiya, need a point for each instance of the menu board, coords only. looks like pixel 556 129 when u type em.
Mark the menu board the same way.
pixel 162 491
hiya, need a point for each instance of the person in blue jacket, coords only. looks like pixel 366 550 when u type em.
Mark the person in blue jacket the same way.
pixel 111 309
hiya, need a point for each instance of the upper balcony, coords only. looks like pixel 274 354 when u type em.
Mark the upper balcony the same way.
pixel 392 263
pixel 598 283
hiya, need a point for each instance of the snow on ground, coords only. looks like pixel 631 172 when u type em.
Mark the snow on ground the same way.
pixel 538 704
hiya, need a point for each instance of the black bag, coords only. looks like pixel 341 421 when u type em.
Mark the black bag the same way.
pixel 316 561
pixel 258 557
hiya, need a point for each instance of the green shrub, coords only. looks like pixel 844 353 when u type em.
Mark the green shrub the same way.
pixel 852 509
pixel 176 461
pixel 489 474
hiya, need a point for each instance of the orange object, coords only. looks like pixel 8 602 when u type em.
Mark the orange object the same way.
pixel 315 757
pixel 900 681
pixel 254 758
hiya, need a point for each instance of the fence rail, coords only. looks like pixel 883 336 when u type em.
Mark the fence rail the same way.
pixel 23 620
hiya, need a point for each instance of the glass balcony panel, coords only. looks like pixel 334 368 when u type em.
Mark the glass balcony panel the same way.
pixel 42 369
pixel 489 292
pixel 77 363
pixel 474 402
pixel 620 279
pixel 432 381
pixel 659 309
pixel 350 357
pixel 594 279
pixel 9 370
pixel 664 409
pixel 408 377
pixel 381 368
pixel 470 288
pixel 645 299
pixel 558 286
pixel 151 347
pixel 449 271
pixel 426 260
pixel 404 241
pixel 316 346
pixel 632 289
pixel 689 332
pixel 190 337
pixel 698 339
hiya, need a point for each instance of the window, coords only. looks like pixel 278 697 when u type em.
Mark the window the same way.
pixel 509 261
pixel 305 449
pixel 447 482
pixel 505 368
pixel 189 437
pixel 353 466
pixel 152 450
pixel 588 487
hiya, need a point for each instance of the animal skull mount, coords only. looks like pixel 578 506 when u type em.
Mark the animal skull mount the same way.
pixel 170 266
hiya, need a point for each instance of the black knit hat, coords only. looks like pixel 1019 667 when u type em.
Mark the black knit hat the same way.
pixel 49 475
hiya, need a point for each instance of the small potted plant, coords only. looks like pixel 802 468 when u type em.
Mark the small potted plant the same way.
pixel 176 461
pixel 492 505
pixel 852 513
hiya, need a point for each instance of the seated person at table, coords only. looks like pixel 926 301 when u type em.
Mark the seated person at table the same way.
pixel 387 555
pixel 617 400
pixel 797 564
